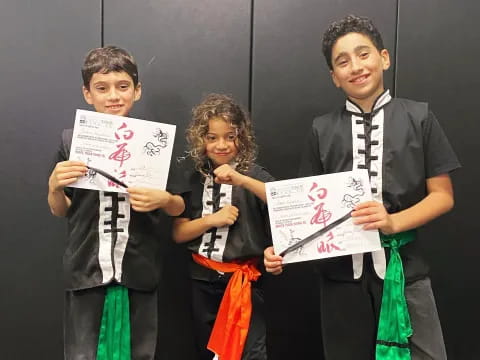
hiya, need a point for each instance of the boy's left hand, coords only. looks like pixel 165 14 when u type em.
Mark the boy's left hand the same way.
pixel 225 174
pixel 373 215
pixel 144 199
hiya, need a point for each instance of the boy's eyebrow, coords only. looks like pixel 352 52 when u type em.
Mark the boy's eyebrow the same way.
pixel 362 47
pixel 101 82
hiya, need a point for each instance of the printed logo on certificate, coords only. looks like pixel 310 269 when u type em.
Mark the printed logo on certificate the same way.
pixel 310 217
pixel 121 151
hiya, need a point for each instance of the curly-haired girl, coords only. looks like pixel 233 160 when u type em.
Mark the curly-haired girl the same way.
pixel 226 227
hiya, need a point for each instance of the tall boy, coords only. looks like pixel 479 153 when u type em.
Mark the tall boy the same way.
pixel 125 276
pixel 408 158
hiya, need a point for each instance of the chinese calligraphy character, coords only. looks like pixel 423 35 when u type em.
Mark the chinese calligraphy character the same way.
pixel 126 134
pixel 121 154
pixel 317 194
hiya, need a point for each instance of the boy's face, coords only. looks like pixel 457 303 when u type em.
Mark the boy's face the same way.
pixel 358 68
pixel 112 93
pixel 220 141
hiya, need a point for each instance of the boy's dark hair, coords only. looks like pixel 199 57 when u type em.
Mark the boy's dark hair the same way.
pixel 107 59
pixel 349 24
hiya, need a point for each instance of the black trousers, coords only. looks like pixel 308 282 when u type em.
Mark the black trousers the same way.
pixel 350 313
pixel 83 314
pixel 206 298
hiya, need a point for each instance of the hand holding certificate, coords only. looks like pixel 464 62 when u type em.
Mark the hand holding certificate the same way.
pixel 310 217
pixel 121 152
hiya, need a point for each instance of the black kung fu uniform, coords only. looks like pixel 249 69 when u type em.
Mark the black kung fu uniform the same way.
pixel 108 243
pixel 401 145
pixel 245 239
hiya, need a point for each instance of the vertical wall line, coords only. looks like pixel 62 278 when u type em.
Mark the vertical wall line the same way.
pixel 102 23
pixel 250 70
pixel 395 65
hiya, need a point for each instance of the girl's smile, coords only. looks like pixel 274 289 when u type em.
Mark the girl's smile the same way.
pixel 220 141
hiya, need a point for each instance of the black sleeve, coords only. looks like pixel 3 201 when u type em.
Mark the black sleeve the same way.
pixel 177 177
pixel 259 173
pixel 439 155
pixel 62 154
pixel 187 199
pixel 182 180
pixel 310 163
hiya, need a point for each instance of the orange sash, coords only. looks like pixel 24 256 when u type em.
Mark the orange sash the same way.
pixel 230 330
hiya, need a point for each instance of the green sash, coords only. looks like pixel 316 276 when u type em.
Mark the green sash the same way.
pixel 394 327
pixel 114 338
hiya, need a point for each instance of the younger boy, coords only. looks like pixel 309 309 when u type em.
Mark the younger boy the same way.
pixel 111 258
pixel 409 159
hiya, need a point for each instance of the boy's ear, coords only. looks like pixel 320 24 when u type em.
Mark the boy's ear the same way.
pixel 385 59
pixel 138 91
pixel 87 95
pixel 334 79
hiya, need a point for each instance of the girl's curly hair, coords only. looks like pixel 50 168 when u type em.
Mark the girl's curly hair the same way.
pixel 220 106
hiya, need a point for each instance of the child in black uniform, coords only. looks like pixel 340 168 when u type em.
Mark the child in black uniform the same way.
pixel 112 252
pixel 409 159
pixel 225 223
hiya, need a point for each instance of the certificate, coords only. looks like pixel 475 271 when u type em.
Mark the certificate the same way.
pixel 311 216
pixel 121 151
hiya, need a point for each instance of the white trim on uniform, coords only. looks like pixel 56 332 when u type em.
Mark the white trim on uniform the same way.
pixel 220 241
pixel 376 182
pixel 358 147
pixel 376 167
pixel 123 221
pixel 105 236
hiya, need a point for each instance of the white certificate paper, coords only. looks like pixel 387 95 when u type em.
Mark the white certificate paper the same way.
pixel 300 207
pixel 136 152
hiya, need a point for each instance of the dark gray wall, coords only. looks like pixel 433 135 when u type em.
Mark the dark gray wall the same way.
pixel 41 48
pixel 184 49
pixel 438 50
pixel 267 54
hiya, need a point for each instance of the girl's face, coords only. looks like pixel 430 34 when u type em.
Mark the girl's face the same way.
pixel 220 141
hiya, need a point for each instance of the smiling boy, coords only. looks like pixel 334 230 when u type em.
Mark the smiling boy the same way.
pixel 409 159
pixel 111 262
